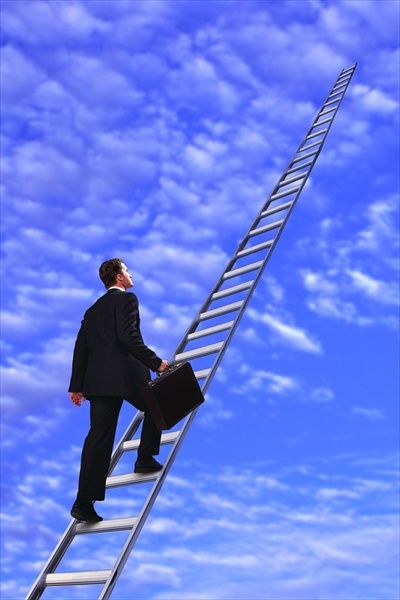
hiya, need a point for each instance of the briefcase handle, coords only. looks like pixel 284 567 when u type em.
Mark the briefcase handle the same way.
pixel 170 368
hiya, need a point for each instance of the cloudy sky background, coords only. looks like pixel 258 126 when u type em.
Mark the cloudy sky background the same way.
pixel 154 131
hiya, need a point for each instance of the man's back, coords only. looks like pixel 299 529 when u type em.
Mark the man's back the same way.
pixel 110 356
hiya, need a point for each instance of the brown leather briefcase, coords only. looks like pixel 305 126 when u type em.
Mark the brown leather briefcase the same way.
pixel 173 395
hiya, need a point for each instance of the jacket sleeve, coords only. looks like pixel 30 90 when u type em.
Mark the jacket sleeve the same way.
pixel 129 335
pixel 79 361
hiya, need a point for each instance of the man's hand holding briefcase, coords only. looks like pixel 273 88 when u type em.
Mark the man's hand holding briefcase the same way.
pixel 173 395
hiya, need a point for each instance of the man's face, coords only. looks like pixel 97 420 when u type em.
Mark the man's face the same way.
pixel 124 278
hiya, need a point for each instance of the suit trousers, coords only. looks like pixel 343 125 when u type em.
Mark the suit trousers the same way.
pixel 97 448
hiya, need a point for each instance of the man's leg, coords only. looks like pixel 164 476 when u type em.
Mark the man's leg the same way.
pixel 150 437
pixel 97 449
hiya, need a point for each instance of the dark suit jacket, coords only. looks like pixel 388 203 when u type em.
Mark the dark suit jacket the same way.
pixel 110 357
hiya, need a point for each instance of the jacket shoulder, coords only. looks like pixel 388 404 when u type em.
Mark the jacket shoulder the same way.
pixel 131 296
pixel 99 305
pixel 127 300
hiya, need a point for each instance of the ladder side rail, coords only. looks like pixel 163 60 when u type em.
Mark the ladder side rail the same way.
pixel 335 110
pixel 243 242
pixel 271 249
pixel 324 135
pixel 191 328
pixel 250 292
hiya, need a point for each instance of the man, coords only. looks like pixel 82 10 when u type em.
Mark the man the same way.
pixel 111 363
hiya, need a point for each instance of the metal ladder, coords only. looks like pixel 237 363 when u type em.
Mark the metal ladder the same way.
pixel 249 258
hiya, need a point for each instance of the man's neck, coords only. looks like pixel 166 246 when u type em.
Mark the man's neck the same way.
pixel 116 287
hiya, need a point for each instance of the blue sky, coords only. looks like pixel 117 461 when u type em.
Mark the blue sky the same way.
pixel 153 131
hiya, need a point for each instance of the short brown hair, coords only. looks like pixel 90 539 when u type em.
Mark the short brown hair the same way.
pixel 109 270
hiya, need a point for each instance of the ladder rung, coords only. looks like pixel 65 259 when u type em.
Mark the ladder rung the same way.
pixel 288 192
pixel 256 248
pixel 242 270
pixel 330 102
pixel 348 69
pixel 117 480
pixel 232 290
pixel 222 310
pixel 202 374
pixel 327 111
pixel 323 131
pixel 166 438
pixel 342 78
pixel 198 352
pixel 310 146
pixel 304 157
pixel 293 179
pixel 307 164
pixel 265 228
pixel 322 122
pixel 210 330
pixel 336 94
pixel 107 525
pixel 340 86
pixel 79 578
pixel 271 211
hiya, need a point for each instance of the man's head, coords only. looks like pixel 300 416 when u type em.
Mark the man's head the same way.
pixel 115 272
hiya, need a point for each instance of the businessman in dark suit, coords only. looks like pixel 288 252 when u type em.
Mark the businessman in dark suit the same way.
pixel 111 363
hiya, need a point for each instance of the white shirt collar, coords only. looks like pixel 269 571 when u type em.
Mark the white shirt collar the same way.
pixel 115 287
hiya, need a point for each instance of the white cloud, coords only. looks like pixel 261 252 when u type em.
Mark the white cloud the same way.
pixel 339 291
pixel 372 414
pixel 76 20
pixel 374 99
pixel 23 383
pixel 322 394
pixel 155 255
pixel 198 160
pixel 381 227
pixel 334 493
pixel 272 382
pixel 197 84
pixel 381 291
pixel 18 74
pixel 338 309
pixel 213 412
pixel 291 335
pixel 316 282
pixel 274 287
pixel 148 572
pixel 43 172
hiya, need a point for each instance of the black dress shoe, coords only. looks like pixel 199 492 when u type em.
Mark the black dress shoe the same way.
pixel 83 510
pixel 147 465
